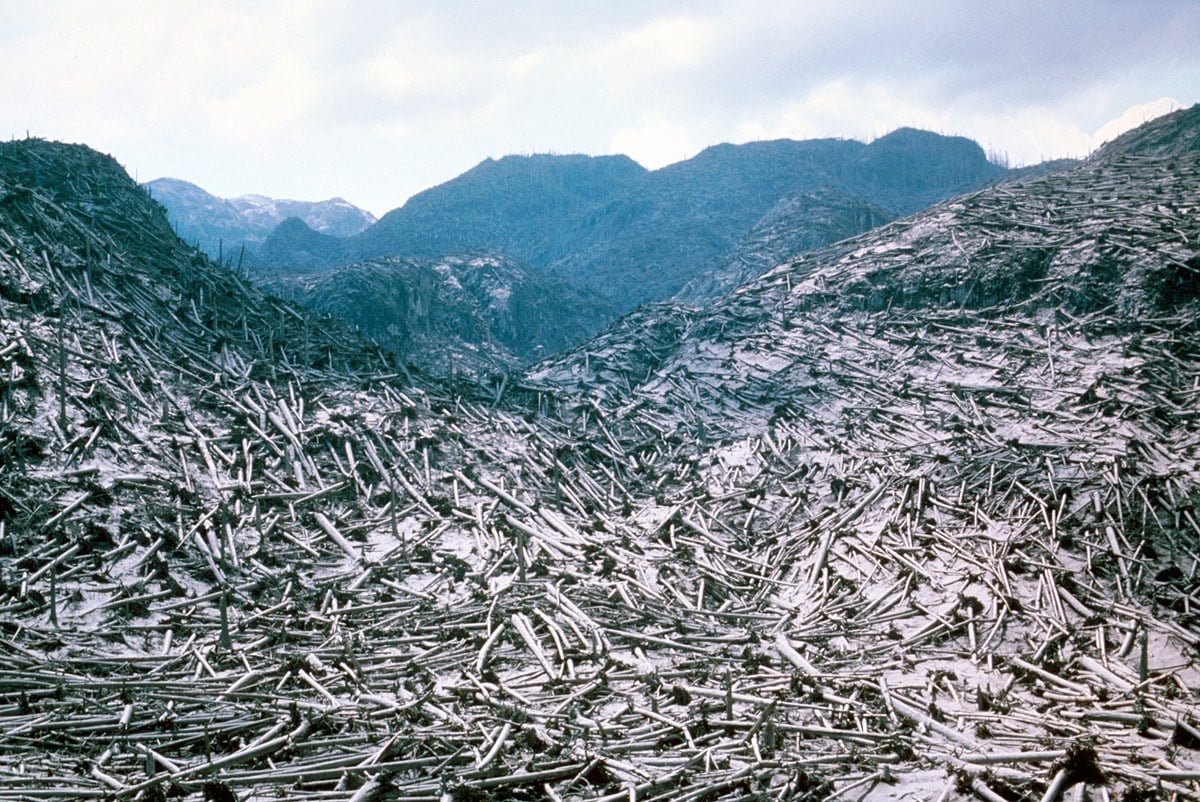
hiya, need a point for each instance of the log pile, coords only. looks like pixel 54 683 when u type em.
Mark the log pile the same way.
pixel 888 523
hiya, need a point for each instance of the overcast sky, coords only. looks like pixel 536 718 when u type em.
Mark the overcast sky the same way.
pixel 374 101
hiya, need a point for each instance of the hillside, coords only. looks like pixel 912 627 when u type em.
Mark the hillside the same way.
pixel 959 456
pixel 799 222
pixel 1174 134
pixel 471 315
pixel 221 226
pixel 911 516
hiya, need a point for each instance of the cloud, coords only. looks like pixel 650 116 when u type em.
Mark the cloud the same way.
pixel 132 70
pixel 654 143
pixel 377 100
pixel 663 45
pixel 1132 117
pixel 1013 52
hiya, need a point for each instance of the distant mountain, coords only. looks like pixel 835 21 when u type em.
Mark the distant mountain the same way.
pixel 684 220
pixel 335 217
pixel 470 314
pixel 909 169
pixel 409 285
pixel 223 225
pixel 519 205
pixel 639 236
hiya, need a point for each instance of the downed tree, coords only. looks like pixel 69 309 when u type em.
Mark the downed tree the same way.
pixel 891 520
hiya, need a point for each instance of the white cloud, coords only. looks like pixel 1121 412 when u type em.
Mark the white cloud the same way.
pixel 664 44
pixel 141 70
pixel 526 64
pixel 654 143
pixel 1132 117
pixel 376 100
pixel 406 68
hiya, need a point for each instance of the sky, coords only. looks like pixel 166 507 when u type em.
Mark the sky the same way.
pixel 375 101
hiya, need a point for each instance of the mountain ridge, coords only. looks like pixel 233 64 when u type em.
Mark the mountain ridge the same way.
pixel 632 235
pixel 222 226
pixel 638 235
pixel 529 196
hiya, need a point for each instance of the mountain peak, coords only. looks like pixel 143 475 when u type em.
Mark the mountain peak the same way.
pixel 225 225
pixel 295 246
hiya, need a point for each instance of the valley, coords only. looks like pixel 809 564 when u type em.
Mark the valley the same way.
pixel 899 503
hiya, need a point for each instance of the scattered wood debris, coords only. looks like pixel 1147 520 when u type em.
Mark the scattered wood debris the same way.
pixel 899 520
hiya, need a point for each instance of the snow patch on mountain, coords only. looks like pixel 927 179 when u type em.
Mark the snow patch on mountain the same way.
pixel 223 226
